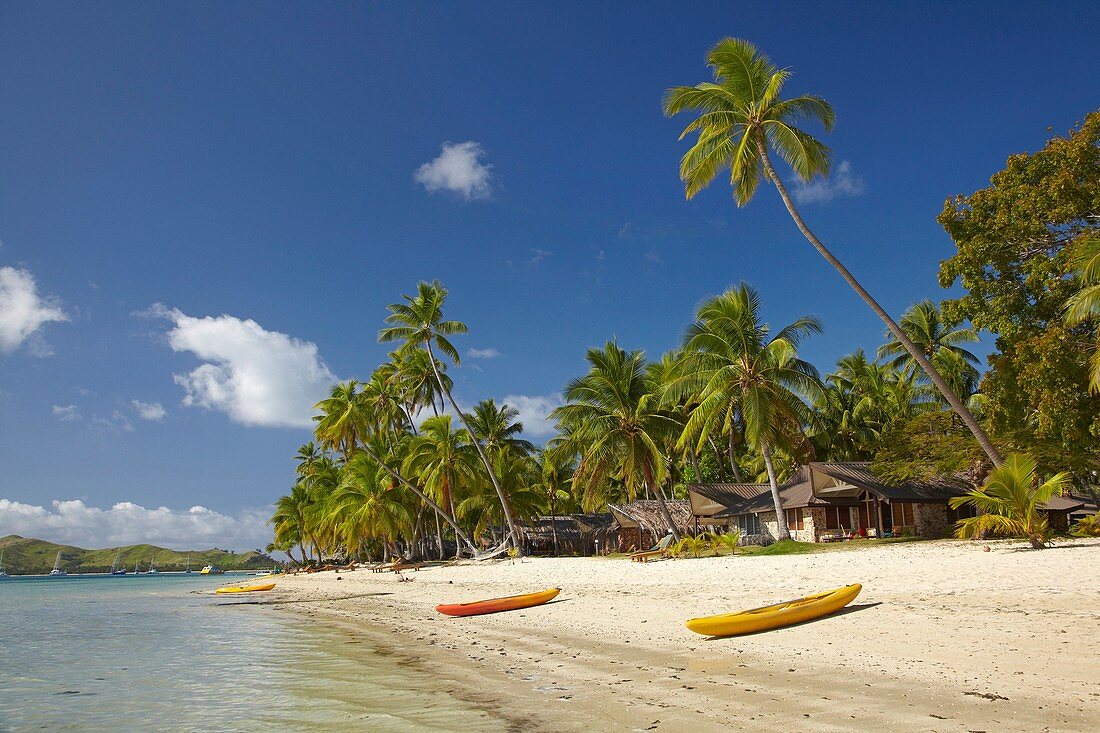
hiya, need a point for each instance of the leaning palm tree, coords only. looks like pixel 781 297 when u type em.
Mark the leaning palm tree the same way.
pixel 741 374
pixel 614 419
pixel 741 117
pixel 442 459
pixel 1011 502
pixel 419 324
pixel 1085 304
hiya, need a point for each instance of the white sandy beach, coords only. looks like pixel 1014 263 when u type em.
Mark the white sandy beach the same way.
pixel 944 637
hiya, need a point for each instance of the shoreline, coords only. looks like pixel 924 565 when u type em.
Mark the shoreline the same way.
pixel 944 637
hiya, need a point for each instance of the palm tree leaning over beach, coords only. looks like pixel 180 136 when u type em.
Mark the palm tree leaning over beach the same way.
pixel 418 322
pixel 739 374
pixel 741 116
pixel 615 423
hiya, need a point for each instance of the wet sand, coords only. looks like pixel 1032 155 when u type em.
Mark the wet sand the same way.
pixel 944 637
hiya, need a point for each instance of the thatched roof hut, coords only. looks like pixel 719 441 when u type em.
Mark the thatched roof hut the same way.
pixel 576 534
pixel 641 523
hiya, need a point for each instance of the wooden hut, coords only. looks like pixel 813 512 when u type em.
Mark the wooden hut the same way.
pixel 641 524
pixel 574 534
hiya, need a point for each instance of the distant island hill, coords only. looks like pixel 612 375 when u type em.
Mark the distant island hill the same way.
pixel 28 556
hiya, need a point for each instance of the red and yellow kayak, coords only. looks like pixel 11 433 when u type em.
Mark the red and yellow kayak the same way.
pixel 495 605
pixel 245 588
pixel 775 616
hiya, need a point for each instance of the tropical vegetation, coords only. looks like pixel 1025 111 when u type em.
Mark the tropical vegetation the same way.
pixel 398 467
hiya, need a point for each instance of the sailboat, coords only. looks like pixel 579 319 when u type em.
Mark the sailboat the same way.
pixel 3 573
pixel 57 572
pixel 152 568
pixel 188 570
pixel 115 569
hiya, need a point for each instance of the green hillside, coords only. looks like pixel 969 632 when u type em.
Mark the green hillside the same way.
pixel 23 556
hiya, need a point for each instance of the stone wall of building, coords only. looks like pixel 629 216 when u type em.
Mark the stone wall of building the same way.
pixel 930 520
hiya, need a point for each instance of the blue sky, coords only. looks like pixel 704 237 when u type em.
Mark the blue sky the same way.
pixel 206 208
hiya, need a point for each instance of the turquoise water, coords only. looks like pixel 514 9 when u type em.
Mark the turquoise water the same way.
pixel 160 653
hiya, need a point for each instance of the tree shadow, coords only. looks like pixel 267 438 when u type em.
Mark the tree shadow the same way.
pixel 842 612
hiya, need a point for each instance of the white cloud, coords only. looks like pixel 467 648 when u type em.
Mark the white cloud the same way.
pixel 116 423
pixel 23 310
pixel 489 353
pixel 149 410
pixel 74 522
pixel 534 412
pixel 841 182
pixel 67 413
pixel 257 377
pixel 457 169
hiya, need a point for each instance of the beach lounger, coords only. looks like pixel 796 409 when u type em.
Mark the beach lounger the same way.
pixel 658 550
pixel 384 567
pixel 407 566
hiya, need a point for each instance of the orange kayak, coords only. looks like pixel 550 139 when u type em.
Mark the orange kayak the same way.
pixel 494 605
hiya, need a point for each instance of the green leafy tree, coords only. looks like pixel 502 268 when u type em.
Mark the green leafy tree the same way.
pixel 941 341
pixel 1084 305
pixel 741 117
pixel 1011 502
pixel 1014 243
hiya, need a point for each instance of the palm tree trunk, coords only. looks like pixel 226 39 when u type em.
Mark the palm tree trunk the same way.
pixel 948 393
pixel 695 465
pixel 512 528
pixel 660 499
pixel 733 457
pixel 780 516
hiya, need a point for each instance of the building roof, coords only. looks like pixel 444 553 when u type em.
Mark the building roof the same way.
pixel 859 474
pixel 1063 504
pixel 647 515
pixel 825 483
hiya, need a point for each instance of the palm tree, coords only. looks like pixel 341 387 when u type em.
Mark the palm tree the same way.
pixel 741 116
pixel 1085 304
pixel 289 521
pixel 420 325
pixel 339 424
pixel 555 471
pixel 941 342
pixel 498 429
pixel 1011 502
pixel 740 374
pixel 614 420
pixel 443 459
pixel 366 503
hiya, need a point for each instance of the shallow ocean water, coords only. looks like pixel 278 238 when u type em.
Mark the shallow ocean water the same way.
pixel 161 653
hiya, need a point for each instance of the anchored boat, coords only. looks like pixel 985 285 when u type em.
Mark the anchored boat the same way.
pixel 777 615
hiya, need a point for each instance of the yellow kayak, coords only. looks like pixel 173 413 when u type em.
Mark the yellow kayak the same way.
pixel 773 617
pixel 245 588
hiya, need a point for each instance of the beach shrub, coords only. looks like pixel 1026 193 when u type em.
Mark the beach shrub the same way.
pixel 1087 527
pixel 1010 503
pixel 730 540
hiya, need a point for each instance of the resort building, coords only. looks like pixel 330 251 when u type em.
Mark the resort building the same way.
pixel 825 501
pixel 569 534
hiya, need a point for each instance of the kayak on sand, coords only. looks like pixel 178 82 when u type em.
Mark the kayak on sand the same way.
pixel 245 588
pixel 777 615
pixel 494 605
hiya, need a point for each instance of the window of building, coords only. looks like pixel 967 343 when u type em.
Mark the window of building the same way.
pixel 748 524
pixel 902 514
pixel 794 519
